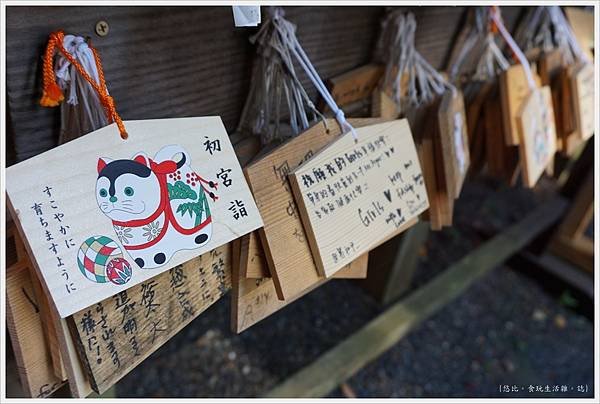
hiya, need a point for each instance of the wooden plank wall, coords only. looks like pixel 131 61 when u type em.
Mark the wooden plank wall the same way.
pixel 190 61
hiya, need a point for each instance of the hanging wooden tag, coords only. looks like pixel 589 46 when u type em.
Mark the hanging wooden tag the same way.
pixel 252 256
pixel 431 166
pixel 100 214
pixel 44 351
pixel 382 99
pixel 570 139
pixel 514 90
pixel 502 160
pixel 538 135
pixel 479 93
pixel 116 334
pixel 549 66
pixel 426 156
pixel 583 88
pixel 355 85
pixel 253 300
pixel 453 141
pixel 283 237
pixel 25 327
pixel 353 195
pixel 383 106
pixel 581 21
pixel 250 252
pixel 444 194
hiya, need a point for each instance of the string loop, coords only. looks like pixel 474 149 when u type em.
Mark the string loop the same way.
pixel 274 87
pixel 396 48
pixel 480 46
pixel 495 15
pixel 287 34
pixel 52 95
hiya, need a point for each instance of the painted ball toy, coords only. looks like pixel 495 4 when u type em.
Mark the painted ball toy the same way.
pixel 94 255
pixel 118 271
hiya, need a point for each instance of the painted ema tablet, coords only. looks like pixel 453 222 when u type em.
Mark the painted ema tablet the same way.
pixel 352 195
pixel 101 214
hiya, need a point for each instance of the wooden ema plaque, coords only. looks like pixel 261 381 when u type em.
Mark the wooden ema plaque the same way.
pixel 502 160
pixel 355 85
pixel 454 141
pixel 101 214
pixel 283 237
pixel 426 155
pixel 538 135
pixel 476 95
pixel 550 67
pixel 582 24
pixel 252 257
pixel 44 348
pixel 514 90
pixel 583 89
pixel 382 100
pixel 116 334
pixel 354 195
pixel 26 329
pixel 253 300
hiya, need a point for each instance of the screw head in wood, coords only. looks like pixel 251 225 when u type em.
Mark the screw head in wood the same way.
pixel 102 28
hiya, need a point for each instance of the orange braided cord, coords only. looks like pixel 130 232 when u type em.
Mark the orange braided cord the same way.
pixel 50 86
pixel 51 92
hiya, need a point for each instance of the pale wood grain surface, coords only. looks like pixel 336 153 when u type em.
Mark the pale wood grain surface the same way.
pixel 514 90
pixel 73 192
pixel 379 181
pixel 116 334
pixel 454 140
pixel 283 237
pixel 583 90
pixel 24 325
pixel 537 135
pixel 252 300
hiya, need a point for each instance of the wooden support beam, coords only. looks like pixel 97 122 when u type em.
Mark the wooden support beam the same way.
pixel 393 264
pixel 405 264
pixel 342 361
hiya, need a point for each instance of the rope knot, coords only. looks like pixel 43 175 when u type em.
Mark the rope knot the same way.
pixel 52 94
pixel 276 12
pixel 345 125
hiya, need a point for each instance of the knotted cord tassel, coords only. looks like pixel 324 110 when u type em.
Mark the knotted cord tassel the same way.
pixel 52 95
pixel 51 90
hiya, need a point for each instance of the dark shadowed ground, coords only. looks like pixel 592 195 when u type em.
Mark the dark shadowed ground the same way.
pixel 507 329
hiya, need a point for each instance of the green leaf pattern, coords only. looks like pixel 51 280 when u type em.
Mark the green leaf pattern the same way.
pixel 199 207
pixel 180 190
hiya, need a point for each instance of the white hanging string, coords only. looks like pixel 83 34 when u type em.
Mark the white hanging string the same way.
pixel 287 31
pixel 546 28
pixel 396 46
pixel 474 36
pixel 567 32
pixel 274 81
pixel 82 112
pixel 481 47
pixel 495 15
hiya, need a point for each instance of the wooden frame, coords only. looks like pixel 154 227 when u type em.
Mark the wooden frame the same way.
pixel 570 241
